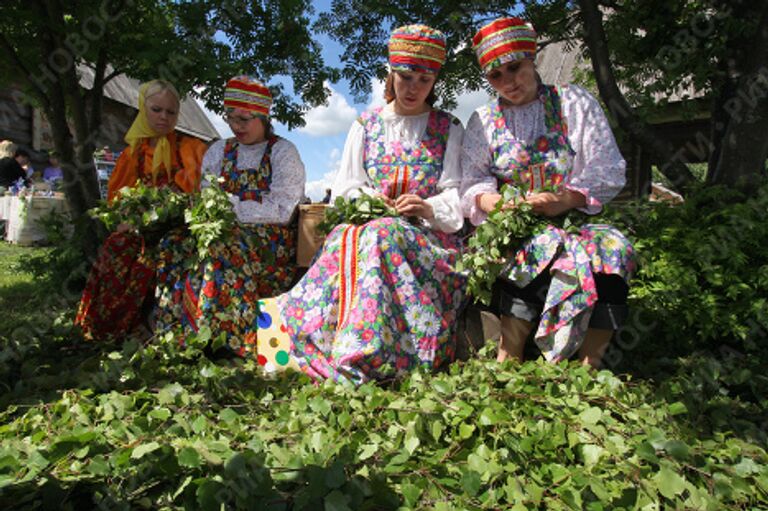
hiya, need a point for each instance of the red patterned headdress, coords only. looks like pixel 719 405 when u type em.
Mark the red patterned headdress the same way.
pixel 416 48
pixel 249 94
pixel 504 40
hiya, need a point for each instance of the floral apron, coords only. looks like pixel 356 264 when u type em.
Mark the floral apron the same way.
pixel 256 261
pixel 575 258
pixel 381 298
pixel 122 276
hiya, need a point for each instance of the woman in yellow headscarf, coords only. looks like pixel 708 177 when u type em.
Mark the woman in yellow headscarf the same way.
pixel 123 275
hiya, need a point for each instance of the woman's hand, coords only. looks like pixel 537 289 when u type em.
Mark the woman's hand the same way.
pixel 554 204
pixel 387 200
pixel 123 227
pixel 413 205
pixel 487 201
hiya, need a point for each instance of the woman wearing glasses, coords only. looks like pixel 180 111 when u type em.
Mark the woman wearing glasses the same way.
pixel 123 275
pixel 265 178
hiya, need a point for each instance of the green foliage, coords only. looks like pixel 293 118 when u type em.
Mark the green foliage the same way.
pixel 503 232
pixel 210 217
pixel 355 211
pixel 154 426
pixel 154 211
pixel 703 267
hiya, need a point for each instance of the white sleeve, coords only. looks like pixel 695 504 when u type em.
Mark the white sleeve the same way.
pixel 286 191
pixel 598 167
pixel 475 165
pixel 212 162
pixel 446 204
pixel 351 178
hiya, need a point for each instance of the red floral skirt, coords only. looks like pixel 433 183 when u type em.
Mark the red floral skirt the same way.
pixel 120 280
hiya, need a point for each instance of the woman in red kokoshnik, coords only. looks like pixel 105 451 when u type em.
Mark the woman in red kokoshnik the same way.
pixel 264 177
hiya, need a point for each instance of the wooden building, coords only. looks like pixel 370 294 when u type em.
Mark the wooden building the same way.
pixel 27 126
pixel 684 122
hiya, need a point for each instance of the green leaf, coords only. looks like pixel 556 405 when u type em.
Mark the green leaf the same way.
pixel 335 477
pixel 188 457
pixel 669 483
pixel 160 414
pixel 143 449
pixel 677 408
pixel 466 430
pixel 592 453
pixel 336 501
pixel 412 442
pixel 228 415
pixel 471 482
pixel 591 415
pixel 210 495
pixel 367 451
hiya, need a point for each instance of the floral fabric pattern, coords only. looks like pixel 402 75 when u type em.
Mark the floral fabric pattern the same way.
pixel 575 257
pixel 120 280
pixel 247 184
pixel 222 293
pixel 381 298
pixel 123 275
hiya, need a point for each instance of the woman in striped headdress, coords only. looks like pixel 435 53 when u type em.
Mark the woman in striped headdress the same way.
pixel 383 298
pixel 555 145
pixel 265 178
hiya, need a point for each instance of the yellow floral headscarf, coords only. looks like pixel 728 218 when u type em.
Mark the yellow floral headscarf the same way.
pixel 140 130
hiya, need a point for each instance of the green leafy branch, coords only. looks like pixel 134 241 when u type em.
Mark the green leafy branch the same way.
pixel 355 211
pixel 154 211
pixel 507 227
pixel 209 217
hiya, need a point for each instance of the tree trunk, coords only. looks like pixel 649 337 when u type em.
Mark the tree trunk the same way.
pixel 674 167
pixel 742 158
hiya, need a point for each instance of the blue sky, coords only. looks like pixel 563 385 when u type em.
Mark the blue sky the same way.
pixel 321 141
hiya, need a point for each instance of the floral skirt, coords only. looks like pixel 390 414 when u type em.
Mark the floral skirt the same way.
pixel 121 279
pixel 571 297
pixel 380 298
pixel 222 291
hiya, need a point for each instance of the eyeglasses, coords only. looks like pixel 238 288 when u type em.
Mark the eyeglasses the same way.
pixel 239 119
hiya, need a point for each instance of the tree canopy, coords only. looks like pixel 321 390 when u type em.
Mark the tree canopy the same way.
pixel 644 55
pixel 196 43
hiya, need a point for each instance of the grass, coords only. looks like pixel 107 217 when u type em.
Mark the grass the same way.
pixel 20 297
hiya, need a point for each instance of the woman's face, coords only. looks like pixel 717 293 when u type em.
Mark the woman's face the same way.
pixel 248 129
pixel 411 91
pixel 515 81
pixel 162 112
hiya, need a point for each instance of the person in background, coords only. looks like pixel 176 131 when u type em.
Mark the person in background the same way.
pixel 123 276
pixel 22 156
pixel 555 145
pixel 265 178
pixel 11 170
pixel 327 198
pixel 383 298
pixel 53 172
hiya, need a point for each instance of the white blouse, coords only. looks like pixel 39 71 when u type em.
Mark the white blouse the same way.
pixel 598 167
pixel 352 177
pixel 288 179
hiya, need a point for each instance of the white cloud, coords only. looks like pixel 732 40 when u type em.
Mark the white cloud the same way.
pixel 315 190
pixel 331 119
pixel 218 122
pixel 468 102
pixel 377 94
